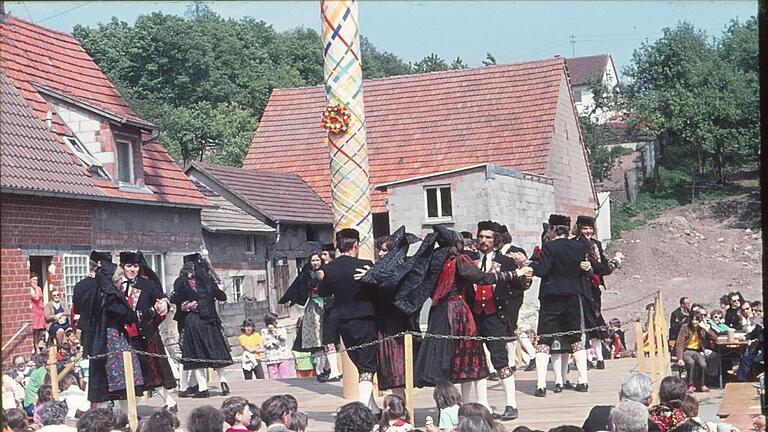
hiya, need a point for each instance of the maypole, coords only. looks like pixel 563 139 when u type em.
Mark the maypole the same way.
pixel 345 121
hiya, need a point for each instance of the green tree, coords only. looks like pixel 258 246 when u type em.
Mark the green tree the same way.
pixel 458 63
pixel 380 64
pixel 430 63
pixel 489 59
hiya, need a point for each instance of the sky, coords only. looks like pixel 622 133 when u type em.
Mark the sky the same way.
pixel 513 31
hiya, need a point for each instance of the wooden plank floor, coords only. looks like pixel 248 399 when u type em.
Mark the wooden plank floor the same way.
pixel 320 401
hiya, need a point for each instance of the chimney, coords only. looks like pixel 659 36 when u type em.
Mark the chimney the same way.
pixel 2 11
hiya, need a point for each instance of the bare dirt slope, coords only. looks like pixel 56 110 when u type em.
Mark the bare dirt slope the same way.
pixel 699 250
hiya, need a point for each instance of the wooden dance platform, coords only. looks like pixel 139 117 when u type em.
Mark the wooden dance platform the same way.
pixel 320 401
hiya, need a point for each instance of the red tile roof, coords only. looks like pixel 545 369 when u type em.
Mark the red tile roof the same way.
pixel 420 124
pixel 278 196
pixel 37 60
pixel 582 68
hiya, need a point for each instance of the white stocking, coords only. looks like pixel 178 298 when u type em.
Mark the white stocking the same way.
pixel 482 393
pixel 202 380
pixel 332 360
pixel 557 361
pixel 581 365
pixel 564 366
pixel 509 391
pixel 512 353
pixel 365 393
pixel 120 406
pixel 542 361
pixel 468 392
pixel 320 362
pixel 491 369
pixel 529 351
pixel 598 347
pixel 169 401
pixel 220 375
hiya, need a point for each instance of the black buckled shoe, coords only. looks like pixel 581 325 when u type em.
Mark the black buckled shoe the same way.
pixel 600 364
pixel 224 389
pixel 510 413
pixel 540 392
pixel 493 376
pixel 334 379
pixel 201 394
pixel 531 366
pixel 582 388
pixel 189 392
pixel 558 388
pixel 568 385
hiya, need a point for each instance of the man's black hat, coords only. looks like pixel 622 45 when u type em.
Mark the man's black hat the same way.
pixel 488 225
pixel 585 221
pixel 328 247
pixel 503 229
pixel 556 219
pixel 348 233
pixel 129 258
pixel 192 258
pixel 467 235
pixel 99 257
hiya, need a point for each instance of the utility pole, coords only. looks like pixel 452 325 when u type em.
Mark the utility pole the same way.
pixel 573 45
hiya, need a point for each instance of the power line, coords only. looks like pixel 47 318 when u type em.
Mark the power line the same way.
pixel 65 11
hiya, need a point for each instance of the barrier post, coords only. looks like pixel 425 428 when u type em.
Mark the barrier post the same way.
pixel 409 376
pixel 53 370
pixel 130 390
pixel 351 376
pixel 640 344
pixel 652 350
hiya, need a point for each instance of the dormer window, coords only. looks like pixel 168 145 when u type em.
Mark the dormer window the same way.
pixel 86 157
pixel 125 162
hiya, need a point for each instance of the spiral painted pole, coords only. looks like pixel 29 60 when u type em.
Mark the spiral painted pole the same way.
pixel 350 188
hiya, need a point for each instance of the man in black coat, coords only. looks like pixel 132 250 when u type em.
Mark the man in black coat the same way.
pixel 145 296
pixel 86 300
pixel 489 308
pixel 353 309
pixel 562 268
pixel 187 381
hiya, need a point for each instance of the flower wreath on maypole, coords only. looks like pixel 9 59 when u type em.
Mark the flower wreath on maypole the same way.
pixel 336 119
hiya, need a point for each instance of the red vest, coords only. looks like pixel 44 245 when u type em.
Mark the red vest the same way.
pixel 483 300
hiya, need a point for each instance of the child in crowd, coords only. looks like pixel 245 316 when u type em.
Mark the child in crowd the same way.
pixel 255 423
pixel 277 354
pixel 393 416
pixel 299 422
pixel 237 413
pixel 44 394
pixel 74 396
pixel 250 341
pixel 618 344
pixel 448 400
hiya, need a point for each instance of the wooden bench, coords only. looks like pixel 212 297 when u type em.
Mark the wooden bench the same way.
pixel 739 399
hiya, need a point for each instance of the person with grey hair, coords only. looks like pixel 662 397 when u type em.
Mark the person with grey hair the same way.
pixel 52 414
pixel 637 387
pixel 629 416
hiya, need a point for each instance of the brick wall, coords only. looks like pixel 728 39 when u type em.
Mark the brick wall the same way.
pixel 567 161
pixel 47 221
pixel 15 302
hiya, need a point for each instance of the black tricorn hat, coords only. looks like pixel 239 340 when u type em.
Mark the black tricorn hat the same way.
pixel 129 258
pixel 556 219
pixel 503 229
pixel 348 233
pixel 99 257
pixel 585 220
pixel 192 258
pixel 488 225
pixel 466 235
pixel 328 247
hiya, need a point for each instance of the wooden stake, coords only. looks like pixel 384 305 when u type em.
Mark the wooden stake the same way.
pixel 640 344
pixel 409 376
pixel 211 379
pixel 53 370
pixel 652 346
pixel 130 390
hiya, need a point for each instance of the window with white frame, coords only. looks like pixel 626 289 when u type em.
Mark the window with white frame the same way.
pixel 237 289
pixel 125 161
pixel 75 270
pixel 86 157
pixel 577 95
pixel 438 202
pixel 250 244
pixel 157 262
pixel 260 291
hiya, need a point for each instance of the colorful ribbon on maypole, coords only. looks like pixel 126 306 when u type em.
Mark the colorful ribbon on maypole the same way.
pixel 347 146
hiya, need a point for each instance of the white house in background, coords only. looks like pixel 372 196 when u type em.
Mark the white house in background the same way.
pixel 581 70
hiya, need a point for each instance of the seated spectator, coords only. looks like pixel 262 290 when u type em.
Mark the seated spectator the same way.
pixel 757 310
pixel 255 423
pixel 566 428
pixel 36 379
pixel 44 394
pixel 205 419
pixel 97 420
pixel 237 413
pixel 354 417
pixel 747 317
pixel 636 387
pixel 74 396
pixel 276 413
pixel 57 316
pixel 472 424
pixel 13 393
pixel 394 416
pixel 616 341
pixel 678 317
pixel 162 421
pixel 732 315
pixel 16 420
pixel 74 342
pixel 474 409
pixel 299 422
pixel 21 370
pixel 629 416
pixel 717 323
pixel 690 349
pixel 52 414
pixel 751 359
pixel 667 415
pixel 448 400
pixel 293 403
